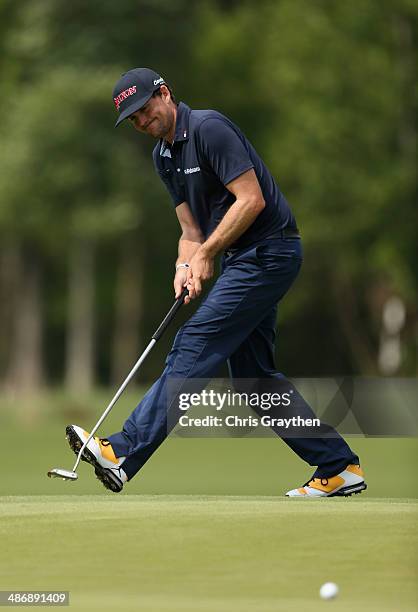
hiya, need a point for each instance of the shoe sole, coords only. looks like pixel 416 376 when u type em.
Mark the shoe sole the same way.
pixel 105 476
pixel 348 491
pixel 343 492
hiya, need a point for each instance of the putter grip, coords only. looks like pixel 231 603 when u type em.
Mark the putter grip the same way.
pixel 170 315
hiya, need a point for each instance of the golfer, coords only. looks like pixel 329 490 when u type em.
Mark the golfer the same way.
pixel 226 201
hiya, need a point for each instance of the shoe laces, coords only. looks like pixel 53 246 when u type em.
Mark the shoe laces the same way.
pixel 324 482
pixel 104 441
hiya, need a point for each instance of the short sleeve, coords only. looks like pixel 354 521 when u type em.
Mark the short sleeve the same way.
pixel 175 190
pixel 223 149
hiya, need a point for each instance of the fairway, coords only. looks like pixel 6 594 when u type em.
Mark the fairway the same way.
pixel 174 553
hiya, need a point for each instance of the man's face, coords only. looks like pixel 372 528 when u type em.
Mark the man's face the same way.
pixel 156 117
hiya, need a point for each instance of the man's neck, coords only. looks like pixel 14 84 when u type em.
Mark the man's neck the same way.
pixel 170 136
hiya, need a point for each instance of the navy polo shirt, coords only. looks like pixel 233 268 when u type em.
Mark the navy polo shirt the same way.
pixel 209 151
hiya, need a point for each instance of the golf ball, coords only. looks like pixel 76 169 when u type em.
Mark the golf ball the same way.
pixel 329 590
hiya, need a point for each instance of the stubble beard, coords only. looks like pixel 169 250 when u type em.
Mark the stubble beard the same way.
pixel 165 127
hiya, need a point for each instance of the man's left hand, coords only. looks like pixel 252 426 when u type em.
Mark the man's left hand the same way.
pixel 201 269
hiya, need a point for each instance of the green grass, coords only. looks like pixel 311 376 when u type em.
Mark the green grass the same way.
pixel 191 553
pixel 198 466
pixel 203 527
pixel 32 438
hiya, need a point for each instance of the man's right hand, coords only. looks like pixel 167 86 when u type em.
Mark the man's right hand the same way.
pixel 180 281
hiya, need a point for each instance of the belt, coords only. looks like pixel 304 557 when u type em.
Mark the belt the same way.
pixel 287 232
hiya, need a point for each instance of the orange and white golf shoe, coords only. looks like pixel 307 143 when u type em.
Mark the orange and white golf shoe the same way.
pixel 99 453
pixel 344 484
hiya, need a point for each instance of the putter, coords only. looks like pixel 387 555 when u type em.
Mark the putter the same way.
pixel 66 474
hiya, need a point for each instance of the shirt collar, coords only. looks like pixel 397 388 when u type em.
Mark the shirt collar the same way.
pixel 182 128
pixel 182 123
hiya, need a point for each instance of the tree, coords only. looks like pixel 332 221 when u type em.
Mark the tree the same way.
pixel 329 98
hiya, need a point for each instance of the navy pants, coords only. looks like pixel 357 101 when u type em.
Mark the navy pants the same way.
pixel 236 322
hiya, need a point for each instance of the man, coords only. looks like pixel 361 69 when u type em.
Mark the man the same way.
pixel 225 200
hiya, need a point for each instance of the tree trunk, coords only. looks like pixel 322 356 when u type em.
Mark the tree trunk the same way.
pixel 128 309
pixel 79 374
pixel 26 373
pixel 363 354
pixel 9 261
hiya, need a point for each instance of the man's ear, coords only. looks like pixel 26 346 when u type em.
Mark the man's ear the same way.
pixel 165 94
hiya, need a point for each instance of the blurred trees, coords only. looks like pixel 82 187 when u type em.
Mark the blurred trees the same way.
pixel 327 92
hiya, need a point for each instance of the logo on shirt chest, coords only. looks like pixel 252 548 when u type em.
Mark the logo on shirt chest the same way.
pixel 192 170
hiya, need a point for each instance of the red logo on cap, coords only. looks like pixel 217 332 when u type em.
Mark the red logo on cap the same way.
pixel 123 95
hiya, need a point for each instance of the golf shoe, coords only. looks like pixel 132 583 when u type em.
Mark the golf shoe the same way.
pixel 99 453
pixel 344 484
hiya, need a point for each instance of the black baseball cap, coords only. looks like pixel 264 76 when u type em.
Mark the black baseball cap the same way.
pixel 133 90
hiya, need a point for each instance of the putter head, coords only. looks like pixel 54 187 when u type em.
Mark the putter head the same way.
pixel 64 474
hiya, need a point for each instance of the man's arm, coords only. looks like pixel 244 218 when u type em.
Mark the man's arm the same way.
pixel 243 212
pixel 248 205
pixel 190 241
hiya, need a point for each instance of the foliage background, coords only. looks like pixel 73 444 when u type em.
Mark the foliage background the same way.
pixel 326 91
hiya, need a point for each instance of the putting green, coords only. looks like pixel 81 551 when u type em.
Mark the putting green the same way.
pixel 259 466
pixel 191 553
